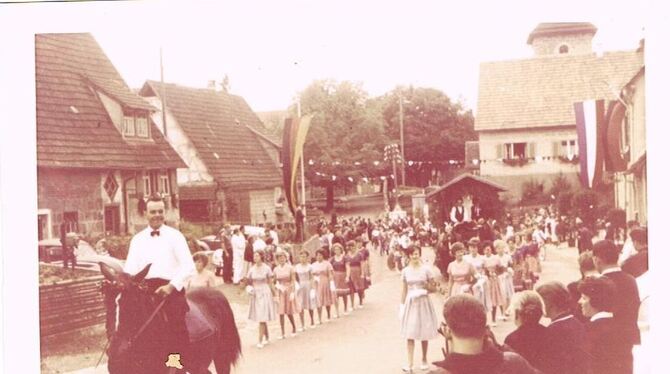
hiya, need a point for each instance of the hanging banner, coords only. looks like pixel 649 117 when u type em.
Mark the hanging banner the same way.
pixel 295 133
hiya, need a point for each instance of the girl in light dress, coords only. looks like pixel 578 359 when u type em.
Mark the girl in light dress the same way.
pixel 505 275
pixel 477 261
pixel 418 318
pixel 305 292
pixel 202 277
pixel 491 265
pixel 341 276
pixel 285 277
pixel 260 285
pixel 461 273
pixel 322 271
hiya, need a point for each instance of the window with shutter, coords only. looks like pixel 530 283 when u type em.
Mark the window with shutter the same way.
pixel 531 150
pixel 142 127
pixel 146 182
pixel 128 126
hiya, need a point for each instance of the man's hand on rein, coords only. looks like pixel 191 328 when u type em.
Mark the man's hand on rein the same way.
pixel 165 290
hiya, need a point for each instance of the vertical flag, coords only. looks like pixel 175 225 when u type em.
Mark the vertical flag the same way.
pixel 591 122
pixel 295 133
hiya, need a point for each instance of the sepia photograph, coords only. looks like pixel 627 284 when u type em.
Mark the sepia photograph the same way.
pixel 333 187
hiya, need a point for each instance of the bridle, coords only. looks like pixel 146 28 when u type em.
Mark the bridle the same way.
pixel 139 332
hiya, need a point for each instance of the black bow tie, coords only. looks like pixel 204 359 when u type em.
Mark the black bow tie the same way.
pixel 155 233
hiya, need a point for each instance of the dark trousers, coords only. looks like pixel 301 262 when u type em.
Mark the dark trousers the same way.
pixel 173 315
pixel 69 257
pixel 228 266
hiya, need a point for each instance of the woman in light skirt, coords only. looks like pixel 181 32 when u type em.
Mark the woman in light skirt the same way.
pixel 286 291
pixel 505 276
pixel 261 305
pixel 305 293
pixel 491 264
pixel 461 273
pixel 418 318
pixel 323 275
pixel 356 264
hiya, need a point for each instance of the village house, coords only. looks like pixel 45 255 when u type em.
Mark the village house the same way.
pixel 233 172
pixel 525 110
pixel 628 139
pixel 99 154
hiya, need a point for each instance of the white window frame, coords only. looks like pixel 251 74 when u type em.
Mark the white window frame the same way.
pixel 46 212
pixel 142 127
pixel 509 154
pixel 570 148
pixel 164 184
pixel 146 183
pixel 128 126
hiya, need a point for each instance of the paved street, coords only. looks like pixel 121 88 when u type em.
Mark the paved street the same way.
pixel 366 341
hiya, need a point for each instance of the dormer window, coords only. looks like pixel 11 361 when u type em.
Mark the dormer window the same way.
pixel 135 126
pixel 563 49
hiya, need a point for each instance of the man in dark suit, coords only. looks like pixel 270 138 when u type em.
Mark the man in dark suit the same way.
pixel 565 350
pixel 584 239
pixel 627 299
pixel 637 264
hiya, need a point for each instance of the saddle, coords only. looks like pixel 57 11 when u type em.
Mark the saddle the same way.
pixel 198 326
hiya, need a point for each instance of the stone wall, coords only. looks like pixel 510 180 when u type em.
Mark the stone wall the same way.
pixel 71 190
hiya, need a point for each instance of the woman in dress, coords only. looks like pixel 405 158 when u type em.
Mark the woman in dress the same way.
pixel 356 264
pixel 505 274
pixel 477 261
pixel 305 289
pixel 286 291
pixel 491 265
pixel 461 273
pixel 341 275
pixel 322 271
pixel 419 321
pixel 261 306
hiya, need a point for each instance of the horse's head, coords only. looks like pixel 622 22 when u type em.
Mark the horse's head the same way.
pixel 132 308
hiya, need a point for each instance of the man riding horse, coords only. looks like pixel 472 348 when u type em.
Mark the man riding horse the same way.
pixel 166 250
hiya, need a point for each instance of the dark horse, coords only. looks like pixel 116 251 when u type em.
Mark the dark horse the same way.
pixel 139 331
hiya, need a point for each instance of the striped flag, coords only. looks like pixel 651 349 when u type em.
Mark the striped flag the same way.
pixel 295 133
pixel 591 123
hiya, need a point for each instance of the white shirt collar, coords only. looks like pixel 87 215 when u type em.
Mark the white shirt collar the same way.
pixel 561 319
pixel 601 315
pixel 611 270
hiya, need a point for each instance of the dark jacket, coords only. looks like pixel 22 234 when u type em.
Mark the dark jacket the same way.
pixel 609 353
pixel 626 305
pixel 491 361
pixel 636 264
pixel 529 341
pixel 565 349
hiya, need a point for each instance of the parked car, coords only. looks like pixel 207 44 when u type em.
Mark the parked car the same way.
pixel 213 242
pixel 52 249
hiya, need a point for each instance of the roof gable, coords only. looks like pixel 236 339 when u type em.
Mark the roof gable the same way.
pixel 73 127
pixel 223 129
pixel 541 91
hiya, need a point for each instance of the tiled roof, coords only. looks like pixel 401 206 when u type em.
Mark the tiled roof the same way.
pixel 561 28
pixel 73 127
pixel 540 91
pixel 216 123
pixel 468 178
pixel 197 192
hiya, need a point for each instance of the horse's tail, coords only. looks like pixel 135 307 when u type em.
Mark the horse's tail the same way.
pixel 219 310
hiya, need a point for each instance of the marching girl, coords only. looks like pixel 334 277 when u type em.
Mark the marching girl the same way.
pixel 261 306
pixel 356 264
pixel 505 274
pixel 305 293
pixel 461 273
pixel 417 315
pixel 532 266
pixel 341 275
pixel 492 264
pixel 477 261
pixel 322 271
pixel 285 277
pixel 365 265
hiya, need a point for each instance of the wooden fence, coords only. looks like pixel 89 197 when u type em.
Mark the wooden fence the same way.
pixel 70 306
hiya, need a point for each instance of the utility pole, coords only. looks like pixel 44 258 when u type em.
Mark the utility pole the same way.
pixel 163 98
pixel 402 139
pixel 302 164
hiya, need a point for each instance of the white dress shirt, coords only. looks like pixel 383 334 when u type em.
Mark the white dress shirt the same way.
pixel 238 243
pixel 168 254
pixel 275 237
pixel 601 315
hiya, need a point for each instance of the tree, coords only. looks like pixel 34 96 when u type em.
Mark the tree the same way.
pixel 436 129
pixel 345 136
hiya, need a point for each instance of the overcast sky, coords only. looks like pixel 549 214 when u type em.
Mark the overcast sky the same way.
pixel 272 50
